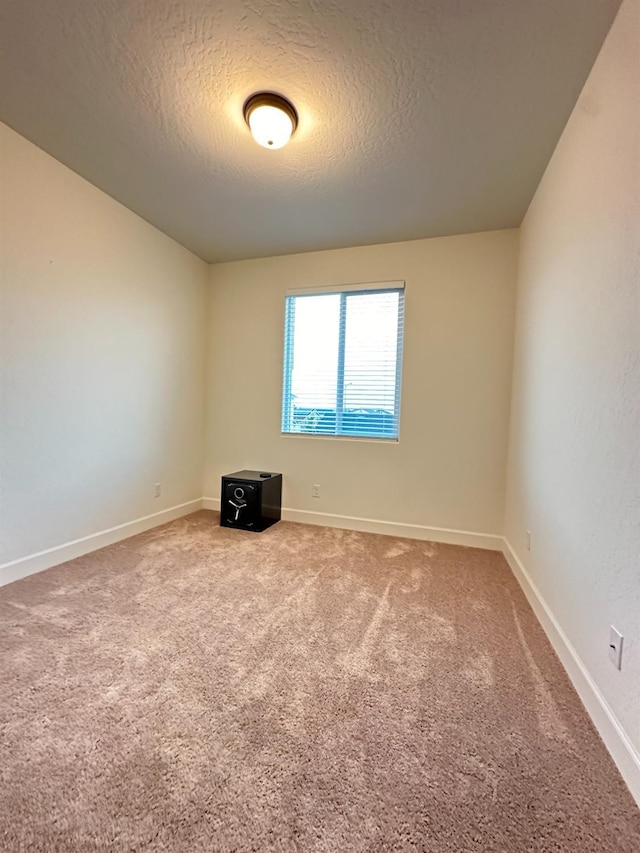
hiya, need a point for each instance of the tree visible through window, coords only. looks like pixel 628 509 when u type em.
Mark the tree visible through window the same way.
pixel 342 361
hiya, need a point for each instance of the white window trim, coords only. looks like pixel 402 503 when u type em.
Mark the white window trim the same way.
pixel 346 288
pixel 363 287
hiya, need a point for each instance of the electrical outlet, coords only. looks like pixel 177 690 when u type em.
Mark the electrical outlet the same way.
pixel 528 540
pixel 315 490
pixel 158 489
pixel 615 647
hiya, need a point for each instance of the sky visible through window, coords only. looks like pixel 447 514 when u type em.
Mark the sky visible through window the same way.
pixel 370 354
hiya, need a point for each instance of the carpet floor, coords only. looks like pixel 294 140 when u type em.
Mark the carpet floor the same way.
pixel 306 689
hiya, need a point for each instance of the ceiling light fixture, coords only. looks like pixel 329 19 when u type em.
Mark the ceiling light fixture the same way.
pixel 271 119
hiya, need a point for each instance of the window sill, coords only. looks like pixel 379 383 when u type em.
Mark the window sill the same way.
pixel 358 438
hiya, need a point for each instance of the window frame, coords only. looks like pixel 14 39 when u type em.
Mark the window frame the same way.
pixel 344 291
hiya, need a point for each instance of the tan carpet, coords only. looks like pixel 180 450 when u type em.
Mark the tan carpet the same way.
pixel 202 689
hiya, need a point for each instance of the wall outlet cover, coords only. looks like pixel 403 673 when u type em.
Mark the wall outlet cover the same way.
pixel 615 647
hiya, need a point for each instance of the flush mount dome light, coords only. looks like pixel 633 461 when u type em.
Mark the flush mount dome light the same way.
pixel 271 118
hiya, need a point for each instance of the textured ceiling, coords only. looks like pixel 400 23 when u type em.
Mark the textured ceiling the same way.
pixel 418 118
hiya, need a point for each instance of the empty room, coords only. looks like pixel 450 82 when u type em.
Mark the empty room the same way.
pixel 320 426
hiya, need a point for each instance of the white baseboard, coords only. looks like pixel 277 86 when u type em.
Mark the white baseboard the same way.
pixel 444 535
pixel 211 503
pixel 17 569
pixel 612 733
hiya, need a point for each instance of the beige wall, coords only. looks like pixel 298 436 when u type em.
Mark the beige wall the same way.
pixel 574 463
pixel 101 362
pixel 448 468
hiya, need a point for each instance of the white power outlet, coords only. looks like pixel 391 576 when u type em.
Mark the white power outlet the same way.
pixel 315 490
pixel 615 647
pixel 158 489
pixel 528 540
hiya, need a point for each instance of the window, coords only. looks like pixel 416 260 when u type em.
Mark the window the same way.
pixel 342 360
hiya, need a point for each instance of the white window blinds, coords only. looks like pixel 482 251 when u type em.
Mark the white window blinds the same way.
pixel 342 360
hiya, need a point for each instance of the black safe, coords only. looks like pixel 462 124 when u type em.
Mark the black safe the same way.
pixel 251 500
